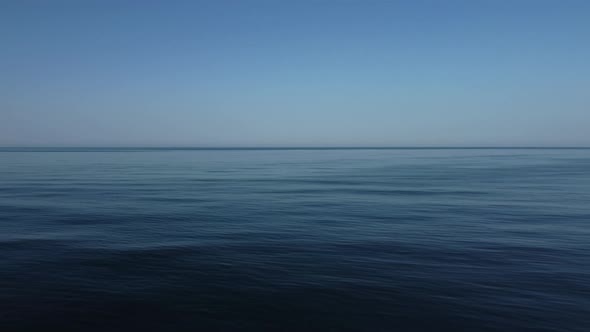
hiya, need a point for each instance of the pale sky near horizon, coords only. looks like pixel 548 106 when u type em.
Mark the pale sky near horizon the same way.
pixel 295 73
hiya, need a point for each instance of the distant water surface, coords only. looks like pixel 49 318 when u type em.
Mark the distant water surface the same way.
pixel 295 240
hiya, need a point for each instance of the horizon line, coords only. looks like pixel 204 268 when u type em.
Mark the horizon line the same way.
pixel 288 147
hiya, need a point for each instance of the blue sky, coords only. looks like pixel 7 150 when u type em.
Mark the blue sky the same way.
pixel 295 73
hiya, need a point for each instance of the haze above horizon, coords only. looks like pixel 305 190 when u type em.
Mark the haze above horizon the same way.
pixel 299 74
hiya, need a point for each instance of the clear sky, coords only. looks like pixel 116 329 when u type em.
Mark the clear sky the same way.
pixel 295 73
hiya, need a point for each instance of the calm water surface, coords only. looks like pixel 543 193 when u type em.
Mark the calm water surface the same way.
pixel 294 240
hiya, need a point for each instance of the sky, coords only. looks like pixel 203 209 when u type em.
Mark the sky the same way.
pixel 235 73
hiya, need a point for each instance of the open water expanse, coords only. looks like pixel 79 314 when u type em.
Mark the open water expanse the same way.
pixel 294 240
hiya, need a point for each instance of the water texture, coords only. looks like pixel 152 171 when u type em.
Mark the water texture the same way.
pixel 295 240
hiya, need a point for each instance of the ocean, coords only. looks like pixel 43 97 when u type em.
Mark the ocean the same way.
pixel 134 239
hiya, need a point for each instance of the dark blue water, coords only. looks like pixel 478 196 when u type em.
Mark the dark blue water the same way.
pixel 295 240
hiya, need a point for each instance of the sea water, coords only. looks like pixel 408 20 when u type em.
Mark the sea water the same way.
pixel 133 239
